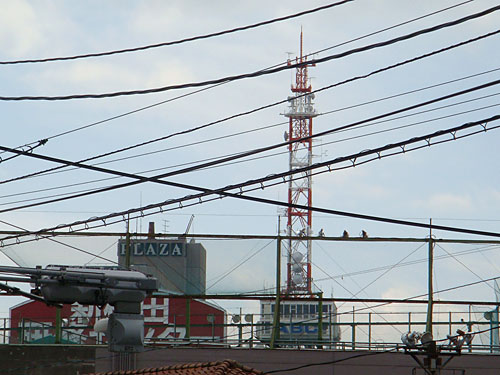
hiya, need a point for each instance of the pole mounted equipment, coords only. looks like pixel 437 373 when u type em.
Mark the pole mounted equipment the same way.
pixel 123 289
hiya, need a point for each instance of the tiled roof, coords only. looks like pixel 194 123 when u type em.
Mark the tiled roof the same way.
pixel 226 367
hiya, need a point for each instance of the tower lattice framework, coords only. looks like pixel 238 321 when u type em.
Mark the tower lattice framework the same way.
pixel 299 221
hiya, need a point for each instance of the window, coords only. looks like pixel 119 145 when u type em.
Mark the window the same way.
pixel 306 309
pixel 287 310
pixel 299 310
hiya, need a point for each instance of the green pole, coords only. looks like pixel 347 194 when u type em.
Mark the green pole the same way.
pixel 275 336
pixel 428 325
pixel 58 325
pixel 127 245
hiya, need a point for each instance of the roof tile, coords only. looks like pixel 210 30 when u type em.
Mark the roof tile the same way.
pixel 226 367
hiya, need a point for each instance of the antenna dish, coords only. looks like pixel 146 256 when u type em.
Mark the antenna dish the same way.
pixel 297 268
pixel 297 278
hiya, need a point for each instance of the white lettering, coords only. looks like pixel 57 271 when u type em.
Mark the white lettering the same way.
pixel 151 250
pixel 163 249
pixel 177 250
pixel 138 249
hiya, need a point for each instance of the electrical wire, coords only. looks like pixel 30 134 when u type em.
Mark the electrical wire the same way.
pixel 352 158
pixel 463 264
pixel 426 294
pixel 244 154
pixel 259 72
pixel 285 101
pixel 237 162
pixel 362 272
pixel 210 87
pixel 281 370
pixel 27 148
pixel 58 242
pixel 385 267
pixel 275 154
pixel 387 271
pixel 282 123
pixel 228 155
pixel 102 252
pixel 238 265
pixel 354 295
pixel 241 155
pixel 180 41
pixel 63 169
pixel 331 362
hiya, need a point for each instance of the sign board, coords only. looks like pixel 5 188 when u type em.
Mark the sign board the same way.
pixel 153 248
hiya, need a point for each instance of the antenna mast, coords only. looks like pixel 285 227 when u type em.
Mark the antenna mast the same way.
pixel 300 114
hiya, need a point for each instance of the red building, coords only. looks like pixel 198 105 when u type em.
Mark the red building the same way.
pixel 164 319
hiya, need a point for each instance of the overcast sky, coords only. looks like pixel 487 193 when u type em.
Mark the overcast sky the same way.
pixel 455 183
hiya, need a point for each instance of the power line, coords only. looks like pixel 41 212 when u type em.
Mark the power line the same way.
pixel 436 292
pixel 27 147
pixel 223 192
pixel 259 72
pixel 379 277
pixel 388 28
pixel 277 103
pixel 492 83
pixel 331 362
pixel 58 242
pixel 389 269
pixel 180 41
pixel 381 268
pixel 240 161
pixel 320 114
pixel 463 264
pixel 245 132
pixel 239 264
pixel 354 295
pixel 280 175
pixel 464 252
pixel 140 179
pixel 211 87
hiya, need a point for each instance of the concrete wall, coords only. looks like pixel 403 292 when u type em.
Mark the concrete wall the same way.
pixel 46 359
pixel 267 360
pixel 66 360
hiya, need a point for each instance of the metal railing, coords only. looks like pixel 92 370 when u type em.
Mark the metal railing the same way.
pixel 359 331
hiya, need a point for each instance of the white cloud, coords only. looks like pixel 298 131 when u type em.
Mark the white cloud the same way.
pixel 19 29
pixel 400 291
pixel 99 76
pixel 447 203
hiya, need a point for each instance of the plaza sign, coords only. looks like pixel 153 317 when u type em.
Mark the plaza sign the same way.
pixel 145 248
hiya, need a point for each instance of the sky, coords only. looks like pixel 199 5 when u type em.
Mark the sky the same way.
pixel 454 183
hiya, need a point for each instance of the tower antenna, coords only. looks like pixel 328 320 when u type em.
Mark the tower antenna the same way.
pixel 299 221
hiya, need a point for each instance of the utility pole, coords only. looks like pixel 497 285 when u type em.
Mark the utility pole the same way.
pixel 127 244
pixel 275 336
pixel 428 326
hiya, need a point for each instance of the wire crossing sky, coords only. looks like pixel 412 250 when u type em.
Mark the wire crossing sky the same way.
pixel 228 139
pixel 260 72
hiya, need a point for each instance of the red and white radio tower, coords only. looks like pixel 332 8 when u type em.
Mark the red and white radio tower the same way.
pixel 300 114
